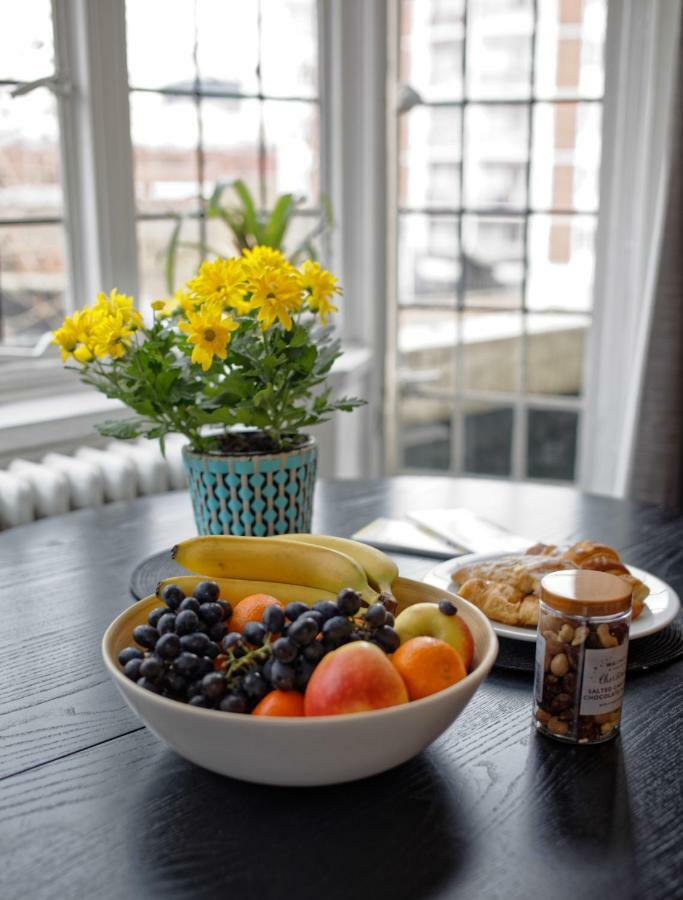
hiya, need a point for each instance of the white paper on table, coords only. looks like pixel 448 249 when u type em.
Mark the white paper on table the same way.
pixel 403 536
pixel 466 529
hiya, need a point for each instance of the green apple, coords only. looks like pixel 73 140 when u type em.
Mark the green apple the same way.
pixel 427 619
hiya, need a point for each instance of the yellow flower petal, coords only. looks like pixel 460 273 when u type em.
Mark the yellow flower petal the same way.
pixel 209 333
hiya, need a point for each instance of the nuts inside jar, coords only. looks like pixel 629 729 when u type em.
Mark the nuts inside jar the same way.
pixel 558 696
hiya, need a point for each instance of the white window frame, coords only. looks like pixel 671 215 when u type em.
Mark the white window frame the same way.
pixel 96 161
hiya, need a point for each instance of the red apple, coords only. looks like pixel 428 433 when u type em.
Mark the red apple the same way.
pixel 355 678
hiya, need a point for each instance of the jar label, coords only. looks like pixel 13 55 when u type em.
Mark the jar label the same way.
pixel 538 668
pixel 604 674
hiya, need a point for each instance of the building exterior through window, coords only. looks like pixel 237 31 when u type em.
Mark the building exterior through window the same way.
pixel 499 148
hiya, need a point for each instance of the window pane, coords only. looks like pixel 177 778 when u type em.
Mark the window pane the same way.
pixel 426 353
pixel 428 259
pixel 499 48
pixel 566 156
pixel 299 230
pixel 561 262
pixel 425 433
pixel 430 153
pixel 26 46
pixel 153 238
pixel 551 441
pixel 164 133
pixel 227 45
pixel 292 132
pixel 32 281
pixel 287 24
pixel 569 48
pixel 432 35
pixel 555 347
pixel 426 381
pixel 491 350
pixel 231 141
pixel 165 62
pixel 493 251
pixel 488 438
pixel 29 156
pixel 496 156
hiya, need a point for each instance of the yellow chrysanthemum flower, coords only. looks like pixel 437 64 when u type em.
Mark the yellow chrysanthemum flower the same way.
pixel 321 286
pixel 209 332
pixel 83 354
pixel 74 337
pixel 257 257
pixel 181 301
pixel 276 293
pixel 219 281
pixel 112 335
pixel 113 303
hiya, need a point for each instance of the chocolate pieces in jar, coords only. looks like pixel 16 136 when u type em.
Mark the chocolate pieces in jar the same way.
pixel 581 654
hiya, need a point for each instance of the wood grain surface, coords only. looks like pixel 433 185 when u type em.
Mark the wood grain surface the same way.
pixel 92 805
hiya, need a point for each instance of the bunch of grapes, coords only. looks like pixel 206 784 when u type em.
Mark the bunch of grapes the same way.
pixel 189 654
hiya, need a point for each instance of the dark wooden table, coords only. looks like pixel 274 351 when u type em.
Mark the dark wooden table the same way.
pixel 93 806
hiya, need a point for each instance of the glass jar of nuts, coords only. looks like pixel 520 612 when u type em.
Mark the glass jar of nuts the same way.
pixel 581 650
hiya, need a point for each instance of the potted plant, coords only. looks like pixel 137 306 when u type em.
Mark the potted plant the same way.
pixel 238 362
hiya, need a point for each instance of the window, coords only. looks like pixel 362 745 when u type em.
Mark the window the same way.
pixel 32 247
pixel 231 92
pixel 498 163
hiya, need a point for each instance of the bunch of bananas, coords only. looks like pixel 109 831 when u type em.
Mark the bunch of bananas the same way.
pixel 305 567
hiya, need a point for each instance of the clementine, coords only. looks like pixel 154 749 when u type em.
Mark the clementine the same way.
pixel 251 609
pixel 280 703
pixel 428 665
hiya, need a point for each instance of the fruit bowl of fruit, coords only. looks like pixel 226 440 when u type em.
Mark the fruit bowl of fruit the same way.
pixel 288 683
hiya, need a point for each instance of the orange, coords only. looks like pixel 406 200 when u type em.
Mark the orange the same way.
pixel 251 609
pixel 280 703
pixel 428 665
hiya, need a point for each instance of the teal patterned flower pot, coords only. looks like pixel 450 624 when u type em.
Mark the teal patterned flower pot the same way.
pixel 253 493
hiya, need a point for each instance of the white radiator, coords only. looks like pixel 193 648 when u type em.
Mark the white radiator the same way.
pixel 59 483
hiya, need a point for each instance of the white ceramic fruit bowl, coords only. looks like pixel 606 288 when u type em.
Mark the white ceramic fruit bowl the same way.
pixel 304 751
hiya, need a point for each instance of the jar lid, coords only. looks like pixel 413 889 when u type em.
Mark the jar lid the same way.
pixel 584 592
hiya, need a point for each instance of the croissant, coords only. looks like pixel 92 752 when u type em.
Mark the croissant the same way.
pixel 501 602
pixel 601 558
pixel 585 551
pixel 524 573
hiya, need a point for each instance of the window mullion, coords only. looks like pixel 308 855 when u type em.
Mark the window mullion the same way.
pixel 353 55
pixel 97 159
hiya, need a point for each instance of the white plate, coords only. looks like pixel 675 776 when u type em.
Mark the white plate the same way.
pixel 661 607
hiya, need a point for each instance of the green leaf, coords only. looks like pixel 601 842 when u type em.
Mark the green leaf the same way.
pixel 220 416
pixel 122 430
pixel 213 205
pixel 305 359
pixel 251 223
pixel 348 404
pixel 279 220
pixel 236 384
pixel 166 379
pixel 254 417
pixel 326 206
pixel 299 336
pixel 171 253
